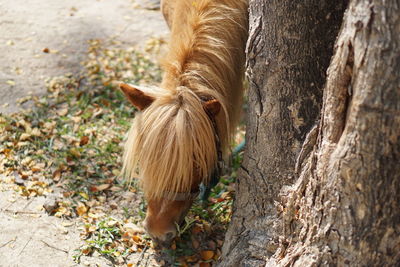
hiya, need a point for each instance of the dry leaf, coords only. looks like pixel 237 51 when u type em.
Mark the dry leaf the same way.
pixel 86 251
pixel 62 112
pixel 36 132
pixel 24 136
pixel 195 244
pixel 57 175
pixel 76 119
pixel 84 140
pixel 133 228
pixel 74 152
pixel 84 195
pixel 207 254
pixel 10 82
pixel 81 209
pixel 137 239
pixel 97 188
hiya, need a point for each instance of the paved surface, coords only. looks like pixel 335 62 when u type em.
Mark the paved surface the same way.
pixel 63 27
pixel 28 237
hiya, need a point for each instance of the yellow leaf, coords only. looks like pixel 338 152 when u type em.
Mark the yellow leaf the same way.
pixel 74 152
pixel 137 239
pixel 84 195
pixel 81 209
pixel 10 82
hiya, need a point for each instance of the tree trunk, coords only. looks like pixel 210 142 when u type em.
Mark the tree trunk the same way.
pixel 289 48
pixel 342 206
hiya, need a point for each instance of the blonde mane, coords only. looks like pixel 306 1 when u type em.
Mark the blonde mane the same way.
pixel 172 142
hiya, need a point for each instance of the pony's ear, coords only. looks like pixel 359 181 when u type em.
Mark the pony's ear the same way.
pixel 212 107
pixel 139 99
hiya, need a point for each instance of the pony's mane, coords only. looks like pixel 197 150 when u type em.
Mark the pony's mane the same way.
pixel 172 142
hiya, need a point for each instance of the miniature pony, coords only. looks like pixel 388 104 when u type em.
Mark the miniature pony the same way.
pixel 174 142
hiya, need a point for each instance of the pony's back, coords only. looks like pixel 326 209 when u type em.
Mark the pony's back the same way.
pixel 207 53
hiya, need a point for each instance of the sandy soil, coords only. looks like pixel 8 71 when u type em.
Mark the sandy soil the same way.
pixel 63 27
pixel 28 236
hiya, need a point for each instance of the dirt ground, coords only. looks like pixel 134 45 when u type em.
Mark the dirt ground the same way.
pixel 62 28
pixel 29 29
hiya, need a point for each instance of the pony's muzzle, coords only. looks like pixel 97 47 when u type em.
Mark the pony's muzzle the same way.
pixel 165 241
pixel 160 240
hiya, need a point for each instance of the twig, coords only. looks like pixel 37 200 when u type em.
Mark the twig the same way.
pixel 30 238
pixel 5 208
pixel 141 255
pixel 27 204
pixel 8 242
pixel 21 211
pixel 147 261
pixel 50 246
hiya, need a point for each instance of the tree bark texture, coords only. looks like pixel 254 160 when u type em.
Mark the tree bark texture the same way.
pixel 289 48
pixel 343 208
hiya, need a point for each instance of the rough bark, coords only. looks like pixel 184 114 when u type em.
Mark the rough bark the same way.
pixel 343 208
pixel 289 48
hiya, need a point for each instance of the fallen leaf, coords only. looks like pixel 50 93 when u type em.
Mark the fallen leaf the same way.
pixel 10 82
pixel 196 229
pixel 84 195
pixel 137 239
pixel 97 188
pixel 74 152
pixel 57 175
pixel 84 140
pixel 133 228
pixel 36 132
pixel 212 245
pixel 81 209
pixel 24 136
pixel 173 246
pixel 62 112
pixel 86 251
pixel 195 244
pixel 207 254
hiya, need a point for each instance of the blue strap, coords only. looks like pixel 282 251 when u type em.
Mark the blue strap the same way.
pixel 205 190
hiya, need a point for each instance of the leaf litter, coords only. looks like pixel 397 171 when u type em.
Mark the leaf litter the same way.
pixel 72 142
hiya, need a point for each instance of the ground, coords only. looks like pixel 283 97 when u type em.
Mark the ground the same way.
pixel 41 39
pixel 62 28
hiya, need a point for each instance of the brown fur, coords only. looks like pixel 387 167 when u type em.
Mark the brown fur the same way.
pixel 171 143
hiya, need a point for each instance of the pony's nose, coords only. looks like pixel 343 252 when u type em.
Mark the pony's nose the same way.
pixel 169 236
pixel 165 241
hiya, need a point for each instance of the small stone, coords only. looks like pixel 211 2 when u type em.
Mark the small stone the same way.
pixel 51 204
